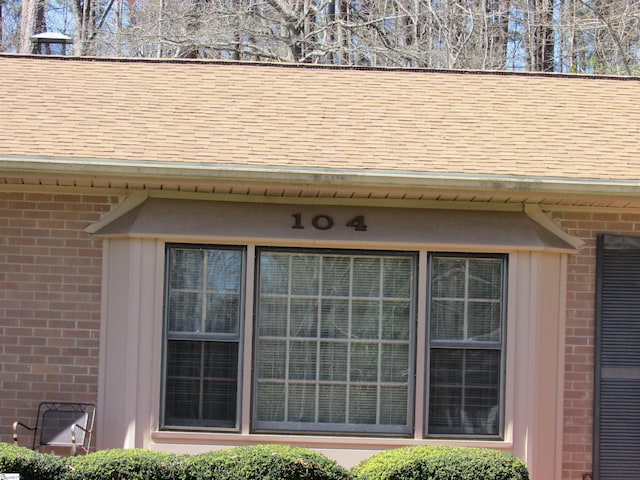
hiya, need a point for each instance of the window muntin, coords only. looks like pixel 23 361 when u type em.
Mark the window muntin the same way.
pixel 334 342
pixel 203 329
pixel 466 336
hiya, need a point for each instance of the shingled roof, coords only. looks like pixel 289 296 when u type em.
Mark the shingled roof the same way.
pixel 302 124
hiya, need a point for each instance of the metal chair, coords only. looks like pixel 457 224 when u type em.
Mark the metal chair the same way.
pixel 61 424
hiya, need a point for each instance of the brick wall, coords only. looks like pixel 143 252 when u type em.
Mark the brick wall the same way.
pixel 579 361
pixel 50 277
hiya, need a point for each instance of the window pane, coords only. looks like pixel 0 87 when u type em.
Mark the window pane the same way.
pixel 465 392
pixel 396 317
pixel 222 313
pixel 271 313
pixel 485 278
pixel 484 321
pixel 398 277
pixel 274 272
pixel 305 271
pixel 219 403
pixel 185 270
pixel 333 400
pixel 335 318
pixel 446 367
pixel 394 363
pixel 220 361
pixel 184 359
pixel 182 401
pixel 304 317
pixel 448 277
pixel 393 405
pixel 322 339
pixel 271 405
pixel 483 368
pixel 447 320
pixel 336 276
pixel 302 403
pixel 302 361
pixel 224 271
pixel 366 277
pixel 184 311
pixel 364 362
pixel 363 404
pixel 365 317
pixel 333 361
pixel 201 383
pixel 272 355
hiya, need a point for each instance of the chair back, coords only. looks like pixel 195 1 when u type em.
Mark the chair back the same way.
pixel 58 422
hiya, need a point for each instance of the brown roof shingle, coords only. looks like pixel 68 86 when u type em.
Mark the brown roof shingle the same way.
pixel 214 113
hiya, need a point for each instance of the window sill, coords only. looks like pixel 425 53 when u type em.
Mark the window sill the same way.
pixel 315 441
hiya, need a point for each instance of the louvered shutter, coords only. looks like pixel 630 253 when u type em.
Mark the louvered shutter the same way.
pixel 617 373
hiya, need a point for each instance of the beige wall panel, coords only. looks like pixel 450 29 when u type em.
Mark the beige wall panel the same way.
pixel 130 386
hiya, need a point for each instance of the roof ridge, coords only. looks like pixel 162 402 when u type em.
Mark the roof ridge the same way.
pixel 187 61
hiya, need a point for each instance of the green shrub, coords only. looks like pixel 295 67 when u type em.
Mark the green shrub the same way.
pixel 263 462
pixel 441 463
pixel 29 464
pixel 129 464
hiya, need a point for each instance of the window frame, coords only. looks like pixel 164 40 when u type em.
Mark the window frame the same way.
pixel 333 428
pixel 418 408
pixel 467 345
pixel 203 337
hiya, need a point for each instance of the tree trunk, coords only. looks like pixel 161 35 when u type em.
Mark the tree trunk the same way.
pixel 32 22
pixel 542 42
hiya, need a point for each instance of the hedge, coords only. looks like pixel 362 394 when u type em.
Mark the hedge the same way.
pixel 441 463
pixel 129 464
pixel 29 464
pixel 264 462
pixel 268 462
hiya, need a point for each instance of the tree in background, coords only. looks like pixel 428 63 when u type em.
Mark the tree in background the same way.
pixel 9 24
pixel 586 36
pixel 32 21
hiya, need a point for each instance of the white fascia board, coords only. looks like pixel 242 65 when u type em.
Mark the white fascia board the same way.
pixel 175 172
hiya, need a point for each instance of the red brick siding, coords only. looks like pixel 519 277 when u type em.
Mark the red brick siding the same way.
pixel 579 361
pixel 50 281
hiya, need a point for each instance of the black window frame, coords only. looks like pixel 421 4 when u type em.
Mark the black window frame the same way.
pixel 466 346
pixel 204 338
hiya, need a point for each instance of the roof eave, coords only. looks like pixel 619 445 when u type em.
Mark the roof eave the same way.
pixel 190 172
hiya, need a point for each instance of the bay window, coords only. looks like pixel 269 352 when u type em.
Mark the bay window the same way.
pixel 334 341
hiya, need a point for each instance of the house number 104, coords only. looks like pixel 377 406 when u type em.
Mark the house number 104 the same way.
pixel 325 222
